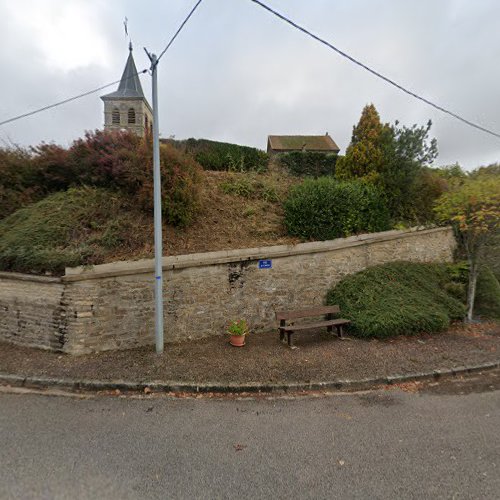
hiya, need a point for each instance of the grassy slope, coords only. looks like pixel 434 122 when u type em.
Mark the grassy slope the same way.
pixel 93 226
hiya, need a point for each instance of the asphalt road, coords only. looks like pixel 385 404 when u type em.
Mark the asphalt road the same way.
pixel 388 444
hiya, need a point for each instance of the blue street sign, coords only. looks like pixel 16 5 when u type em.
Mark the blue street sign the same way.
pixel 265 264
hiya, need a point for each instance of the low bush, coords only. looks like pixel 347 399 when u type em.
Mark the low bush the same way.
pixel 325 208
pixel 253 186
pixel 396 299
pixel 122 160
pixel 487 299
pixel 487 303
pixel 181 179
pixel 308 163
pixel 64 229
pixel 113 160
pixel 224 156
pixel 19 184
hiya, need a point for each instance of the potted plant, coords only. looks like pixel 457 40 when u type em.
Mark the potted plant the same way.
pixel 237 331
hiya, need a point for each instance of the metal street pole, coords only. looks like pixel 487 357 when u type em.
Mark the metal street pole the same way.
pixel 157 212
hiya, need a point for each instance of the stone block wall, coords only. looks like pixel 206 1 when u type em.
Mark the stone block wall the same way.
pixel 32 311
pixel 111 306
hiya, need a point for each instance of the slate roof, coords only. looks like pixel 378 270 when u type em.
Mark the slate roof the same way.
pixel 300 142
pixel 130 85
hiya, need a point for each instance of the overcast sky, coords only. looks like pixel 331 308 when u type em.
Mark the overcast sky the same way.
pixel 237 74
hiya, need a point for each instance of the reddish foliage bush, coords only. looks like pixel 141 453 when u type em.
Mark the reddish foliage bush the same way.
pixel 117 160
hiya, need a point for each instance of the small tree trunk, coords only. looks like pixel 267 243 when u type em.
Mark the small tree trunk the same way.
pixel 471 290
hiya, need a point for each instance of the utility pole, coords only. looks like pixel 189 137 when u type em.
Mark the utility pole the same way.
pixel 157 210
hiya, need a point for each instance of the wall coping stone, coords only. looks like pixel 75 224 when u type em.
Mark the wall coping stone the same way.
pixel 30 277
pixel 146 266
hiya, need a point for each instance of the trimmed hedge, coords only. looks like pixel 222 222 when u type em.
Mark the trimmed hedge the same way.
pixel 396 299
pixel 325 208
pixel 308 163
pixel 224 156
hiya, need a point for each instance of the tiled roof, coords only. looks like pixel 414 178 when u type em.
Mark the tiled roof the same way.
pixel 130 85
pixel 302 142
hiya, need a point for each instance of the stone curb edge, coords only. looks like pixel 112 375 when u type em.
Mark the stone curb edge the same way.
pixel 178 387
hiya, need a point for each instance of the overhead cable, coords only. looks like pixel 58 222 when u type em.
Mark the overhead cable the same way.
pixel 179 30
pixel 376 73
pixel 65 101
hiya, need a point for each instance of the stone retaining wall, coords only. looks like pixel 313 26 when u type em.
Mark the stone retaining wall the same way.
pixel 110 306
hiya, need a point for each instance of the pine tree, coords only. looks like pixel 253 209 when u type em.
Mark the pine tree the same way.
pixel 364 156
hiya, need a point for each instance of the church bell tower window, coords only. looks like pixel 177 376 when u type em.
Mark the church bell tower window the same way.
pixel 131 115
pixel 115 116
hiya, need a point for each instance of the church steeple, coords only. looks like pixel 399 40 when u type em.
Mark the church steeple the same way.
pixel 127 107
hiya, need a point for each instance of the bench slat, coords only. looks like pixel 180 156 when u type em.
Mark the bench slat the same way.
pixel 307 326
pixel 305 313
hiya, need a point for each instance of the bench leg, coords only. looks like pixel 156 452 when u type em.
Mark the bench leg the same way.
pixel 340 333
pixel 290 340
pixel 329 317
pixel 282 334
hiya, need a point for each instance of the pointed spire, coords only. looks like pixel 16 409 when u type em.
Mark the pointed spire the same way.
pixel 130 85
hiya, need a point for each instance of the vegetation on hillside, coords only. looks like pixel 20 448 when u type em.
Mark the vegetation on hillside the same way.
pixel 223 156
pixel 308 163
pixel 473 207
pixel 324 209
pixel 70 228
pixel 394 158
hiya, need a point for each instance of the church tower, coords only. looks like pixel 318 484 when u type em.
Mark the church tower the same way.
pixel 127 108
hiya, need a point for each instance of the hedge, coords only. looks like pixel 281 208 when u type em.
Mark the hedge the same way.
pixel 214 155
pixel 308 163
pixel 324 208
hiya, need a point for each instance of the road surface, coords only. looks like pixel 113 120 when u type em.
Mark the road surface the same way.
pixel 443 442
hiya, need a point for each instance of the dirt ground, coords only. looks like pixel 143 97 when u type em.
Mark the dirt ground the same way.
pixel 318 357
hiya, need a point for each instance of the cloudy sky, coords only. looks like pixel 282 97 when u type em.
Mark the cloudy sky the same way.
pixel 236 73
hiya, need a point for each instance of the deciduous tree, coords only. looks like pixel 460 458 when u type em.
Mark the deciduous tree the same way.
pixel 474 209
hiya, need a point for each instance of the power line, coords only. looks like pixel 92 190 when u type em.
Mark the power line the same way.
pixel 179 30
pixel 60 103
pixel 376 73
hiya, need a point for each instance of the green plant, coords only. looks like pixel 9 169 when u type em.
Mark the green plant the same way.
pixel 66 229
pixel 252 185
pixel 396 299
pixel 308 163
pixel 240 186
pixel 214 155
pixel 326 208
pixel 391 157
pixel 238 327
pixel 473 207
pixel 488 294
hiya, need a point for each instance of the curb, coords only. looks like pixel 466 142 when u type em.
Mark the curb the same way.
pixel 178 387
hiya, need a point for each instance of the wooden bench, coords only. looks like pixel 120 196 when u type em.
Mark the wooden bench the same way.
pixel 329 322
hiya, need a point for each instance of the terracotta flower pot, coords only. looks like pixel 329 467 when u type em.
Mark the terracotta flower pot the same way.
pixel 237 340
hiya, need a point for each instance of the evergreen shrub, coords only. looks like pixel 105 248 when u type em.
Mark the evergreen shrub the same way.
pixel 325 208
pixel 53 233
pixel 487 303
pixel 223 156
pixel 396 299
pixel 308 163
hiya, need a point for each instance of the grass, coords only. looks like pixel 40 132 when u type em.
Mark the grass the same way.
pixel 71 228
pixel 89 226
